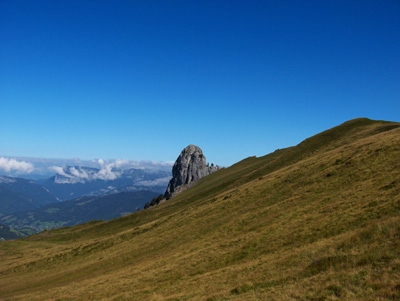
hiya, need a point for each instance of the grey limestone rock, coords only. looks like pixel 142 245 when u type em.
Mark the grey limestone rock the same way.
pixel 190 167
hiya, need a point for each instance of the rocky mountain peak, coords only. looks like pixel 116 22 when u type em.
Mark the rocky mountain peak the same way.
pixel 190 167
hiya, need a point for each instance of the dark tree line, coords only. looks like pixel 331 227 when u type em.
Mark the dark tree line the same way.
pixel 154 201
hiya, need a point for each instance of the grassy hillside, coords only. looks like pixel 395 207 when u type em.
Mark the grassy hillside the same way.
pixel 317 221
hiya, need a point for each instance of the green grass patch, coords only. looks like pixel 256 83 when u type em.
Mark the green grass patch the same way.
pixel 52 210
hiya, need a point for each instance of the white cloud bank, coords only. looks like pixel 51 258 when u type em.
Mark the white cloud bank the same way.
pixel 106 173
pixel 80 174
pixel 41 168
pixel 12 165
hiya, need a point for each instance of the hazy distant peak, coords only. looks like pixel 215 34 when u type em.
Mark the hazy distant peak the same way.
pixel 7 180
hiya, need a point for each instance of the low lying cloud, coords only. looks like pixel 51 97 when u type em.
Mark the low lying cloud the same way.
pixel 106 173
pixel 119 163
pixel 58 170
pixel 127 164
pixel 12 165
pixel 106 170
pixel 157 182
pixel 80 174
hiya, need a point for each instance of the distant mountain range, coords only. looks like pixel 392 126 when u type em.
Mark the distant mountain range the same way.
pixel 76 194
pixel 77 181
pixel 18 194
pixel 80 210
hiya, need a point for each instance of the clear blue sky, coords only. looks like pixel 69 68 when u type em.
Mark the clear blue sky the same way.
pixel 141 80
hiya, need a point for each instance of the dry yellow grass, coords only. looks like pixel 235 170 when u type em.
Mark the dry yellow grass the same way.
pixel 317 221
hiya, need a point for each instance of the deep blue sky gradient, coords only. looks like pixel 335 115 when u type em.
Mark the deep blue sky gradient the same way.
pixel 141 80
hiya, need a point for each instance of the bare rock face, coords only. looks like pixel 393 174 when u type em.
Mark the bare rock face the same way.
pixel 190 167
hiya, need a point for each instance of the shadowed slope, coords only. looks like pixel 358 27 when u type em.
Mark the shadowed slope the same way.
pixel 318 220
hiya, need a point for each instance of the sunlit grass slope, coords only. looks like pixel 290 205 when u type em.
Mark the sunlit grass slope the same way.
pixel 317 221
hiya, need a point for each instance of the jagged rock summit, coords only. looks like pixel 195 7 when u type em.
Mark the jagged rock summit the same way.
pixel 190 167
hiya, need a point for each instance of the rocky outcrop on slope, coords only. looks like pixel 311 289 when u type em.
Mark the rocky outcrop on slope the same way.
pixel 190 167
